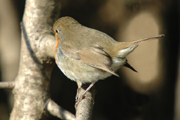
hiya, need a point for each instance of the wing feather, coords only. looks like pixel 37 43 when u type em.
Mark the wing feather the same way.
pixel 94 56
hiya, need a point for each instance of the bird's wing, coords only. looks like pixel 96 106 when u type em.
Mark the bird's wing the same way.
pixel 94 56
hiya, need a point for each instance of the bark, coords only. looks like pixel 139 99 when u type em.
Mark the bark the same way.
pixel 31 90
pixel 85 107
pixel 7 85
pixel 56 110
pixel 31 86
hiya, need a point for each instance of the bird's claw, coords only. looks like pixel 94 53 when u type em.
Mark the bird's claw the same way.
pixel 81 98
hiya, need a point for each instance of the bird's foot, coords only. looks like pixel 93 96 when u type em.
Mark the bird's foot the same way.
pixel 78 100
pixel 81 98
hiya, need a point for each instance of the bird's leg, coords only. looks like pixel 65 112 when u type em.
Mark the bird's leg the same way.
pixel 83 95
pixel 79 88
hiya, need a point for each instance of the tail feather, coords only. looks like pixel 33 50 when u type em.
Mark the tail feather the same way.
pixel 150 38
pixel 124 48
pixel 129 66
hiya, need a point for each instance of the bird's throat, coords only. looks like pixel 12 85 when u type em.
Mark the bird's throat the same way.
pixel 57 43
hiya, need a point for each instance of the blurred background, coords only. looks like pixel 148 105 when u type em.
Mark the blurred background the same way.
pixel 151 94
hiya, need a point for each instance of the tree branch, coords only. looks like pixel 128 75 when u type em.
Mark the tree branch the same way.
pixel 7 85
pixel 59 112
pixel 31 90
pixel 85 107
pixel 47 44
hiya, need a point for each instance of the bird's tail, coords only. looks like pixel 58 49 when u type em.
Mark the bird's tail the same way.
pixel 127 47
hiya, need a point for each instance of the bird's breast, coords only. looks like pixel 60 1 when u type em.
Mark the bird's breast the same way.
pixel 77 70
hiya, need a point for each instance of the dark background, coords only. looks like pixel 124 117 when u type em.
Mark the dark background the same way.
pixel 150 94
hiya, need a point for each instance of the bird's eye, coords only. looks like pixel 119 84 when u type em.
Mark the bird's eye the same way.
pixel 57 31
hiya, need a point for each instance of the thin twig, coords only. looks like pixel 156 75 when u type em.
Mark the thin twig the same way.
pixel 55 110
pixel 6 85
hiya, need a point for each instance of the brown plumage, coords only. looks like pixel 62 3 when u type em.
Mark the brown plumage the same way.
pixel 89 55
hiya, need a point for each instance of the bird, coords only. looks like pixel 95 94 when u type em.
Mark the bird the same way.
pixel 88 55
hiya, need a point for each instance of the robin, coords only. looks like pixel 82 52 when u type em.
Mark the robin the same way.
pixel 87 55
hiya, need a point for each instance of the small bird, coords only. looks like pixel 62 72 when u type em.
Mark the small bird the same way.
pixel 87 55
